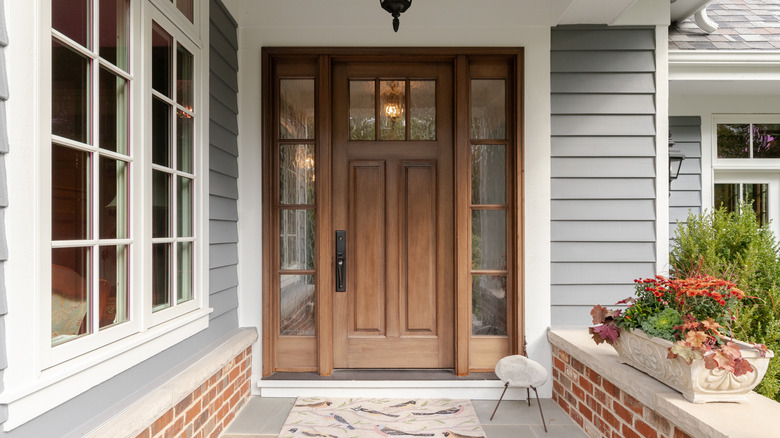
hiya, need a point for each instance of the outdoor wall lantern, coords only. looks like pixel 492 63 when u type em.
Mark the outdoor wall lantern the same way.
pixel 396 8
pixel 676 158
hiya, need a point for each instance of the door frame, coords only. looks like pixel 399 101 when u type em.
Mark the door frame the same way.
pixel 316 62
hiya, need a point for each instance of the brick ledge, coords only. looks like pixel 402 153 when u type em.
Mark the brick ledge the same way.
pixel 711 419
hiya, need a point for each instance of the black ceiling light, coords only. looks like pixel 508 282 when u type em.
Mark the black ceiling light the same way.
pixel 396 8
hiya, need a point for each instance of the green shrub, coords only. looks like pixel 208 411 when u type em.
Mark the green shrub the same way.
pixel 733 246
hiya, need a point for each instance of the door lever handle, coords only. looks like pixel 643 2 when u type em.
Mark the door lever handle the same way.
pixel 341 260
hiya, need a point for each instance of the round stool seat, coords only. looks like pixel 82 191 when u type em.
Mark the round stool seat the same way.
pixel 521 371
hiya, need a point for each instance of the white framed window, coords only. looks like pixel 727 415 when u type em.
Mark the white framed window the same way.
pixel 759 188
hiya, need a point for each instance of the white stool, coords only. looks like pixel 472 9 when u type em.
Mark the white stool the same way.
pixel 522 372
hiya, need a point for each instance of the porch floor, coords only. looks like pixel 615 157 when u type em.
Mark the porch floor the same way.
pixel 263 417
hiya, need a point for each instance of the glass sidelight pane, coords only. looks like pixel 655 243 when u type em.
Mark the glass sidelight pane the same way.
pixel 422 110
pixel 362 99
pixel 113 112
pixel 488 239
pixel 757 195
pixel 296 239
pixel 766 141
pixel 185 125
pixel 296 174
pixel 162 60
pixel 727 196
pixel 296 305
pixel 488 109
pixel 488 305
pixel 114 29
pixel 161 204
pixel 488 174
pixel 392 104
pixel 72 19
pixel 296 109
pixel 161 132
pixel 70 97
pixel 70 293
pixel 70 197
pixel 112 206
pixel 112 298
pixel 161 280
pixel 183 272
pixel 734 141
pixel 184 75
pixel 183 207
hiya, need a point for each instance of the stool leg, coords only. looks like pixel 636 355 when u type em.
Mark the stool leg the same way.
pixel 540 409
pixel 506 386
pixel 528 396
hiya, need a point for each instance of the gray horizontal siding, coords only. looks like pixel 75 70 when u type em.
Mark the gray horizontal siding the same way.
pixel 4 92
pixel 603 167
pixel 685 191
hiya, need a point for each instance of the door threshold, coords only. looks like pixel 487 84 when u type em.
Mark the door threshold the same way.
pixel 382 375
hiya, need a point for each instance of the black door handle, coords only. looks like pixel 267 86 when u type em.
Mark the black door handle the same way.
pixel 341 260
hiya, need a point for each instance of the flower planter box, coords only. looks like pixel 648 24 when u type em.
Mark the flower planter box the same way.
pixel 696 383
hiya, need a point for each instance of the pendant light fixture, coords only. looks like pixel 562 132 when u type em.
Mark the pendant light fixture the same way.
pixel 396 8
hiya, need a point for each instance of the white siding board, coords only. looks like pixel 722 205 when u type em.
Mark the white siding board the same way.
pixel 598 273
pixel 613 188
pixel 223 115
pixel 573 146
pixel 691 166
pixel 685 133
pixel 690 149
pixel 223 231
pixel 602 83
pixel 223 185
pixel 680 198
pixel 226 50
pixel 603 125
pixel 629 210
pixel 223 138
pixel 223 93
pixel 223 208
pixel 597 61
pixel 685 192
pixel 603 231
pixel 223 278
pixel 222 162
pixel 586 294
pixel 222 69
pixel 221 255
pixel 224 302
pixel 602 104
pixel 571 316
pixel 603 167
pixel 603 252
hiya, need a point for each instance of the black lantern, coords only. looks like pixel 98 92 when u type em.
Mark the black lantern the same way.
pixel 676 158
pixel 396 8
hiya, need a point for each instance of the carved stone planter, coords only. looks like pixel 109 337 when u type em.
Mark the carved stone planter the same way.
pixel 696 383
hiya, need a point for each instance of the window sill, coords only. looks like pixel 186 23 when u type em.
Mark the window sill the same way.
pixel 56 385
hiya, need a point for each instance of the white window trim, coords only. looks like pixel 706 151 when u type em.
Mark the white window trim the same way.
pixel 741 163
pixel 771 178
pixel 33 383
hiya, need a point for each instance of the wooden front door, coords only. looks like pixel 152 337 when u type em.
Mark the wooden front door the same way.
pixel 393 198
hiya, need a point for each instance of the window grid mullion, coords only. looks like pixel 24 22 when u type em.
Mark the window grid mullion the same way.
pixel 67 41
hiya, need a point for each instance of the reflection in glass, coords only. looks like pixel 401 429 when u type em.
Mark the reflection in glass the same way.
pixel 296 174
pixel 161 132
pixel 70 193
pixel 162 47
pixel 488 305
pixel 113 31
pixel 184 69
pixel 296 239
pixel 488 239
pixel 71 18
pixel 161 268
pixel 734 141
pixel 112 205
pixel 362 123
pixel 727 196
pixel 488 174
pixel 112 110
pixel 488 109
pixel 183 272
pixel 422 110
pixel 392 103
pixel 296 305
pixel 183 207
pixel 757 195
pixel 296 109
pixel 184 138
pixel 112 300
pixel 766 141
pixel 161 201
pixel 70 109
pixel 70 296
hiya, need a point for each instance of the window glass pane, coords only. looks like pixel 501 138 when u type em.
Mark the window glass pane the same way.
pixel 488 239
pixel 113 31
pixel 734 141
pixel 488 174
pixel 70 273
pixel 70 194
pixel 422 110
pixel 112 205
pixel 113 112
pixel 488 109
pixel 488 305
pixel 362 123
pixel 296 112
pixel 392 104
pixel 297 305
pixel 183 271
pixel 757 195
pixel 161 132
pixel 185 125
pixel 184 69
pixel 161 201
pixel 766 141
pixel 162 46
pixel 112 298
pixel 296 239
pixel 727 196
pixel 184 207
pixel 296 174
pixel 161 281
pixel 70 109
pixel 185 6
pixel 71 17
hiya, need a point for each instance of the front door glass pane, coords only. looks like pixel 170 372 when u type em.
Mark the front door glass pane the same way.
pixel 392 104
pixel 112 298
pixel 296 109
pixel 488 305
pixel 488 240
pixel 757 196
pixel 113 32
pixel 733 141
pixel 296 174
pixel 70 79
pixel 70 297
pixel 70 193
pixel 296 239
pixel 297 305
pixel 488 174
pixel 362 100
pixel 488 109
pixel 766 141
pixel 422 110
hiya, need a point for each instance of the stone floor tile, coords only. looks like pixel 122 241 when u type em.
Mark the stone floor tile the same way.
pixel 261 416
pixel 510 432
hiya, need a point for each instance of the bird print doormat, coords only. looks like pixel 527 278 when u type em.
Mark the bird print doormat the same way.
pixel 319 417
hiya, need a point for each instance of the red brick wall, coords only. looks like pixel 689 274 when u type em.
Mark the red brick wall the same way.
pixel 208 410
pixel 600 408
